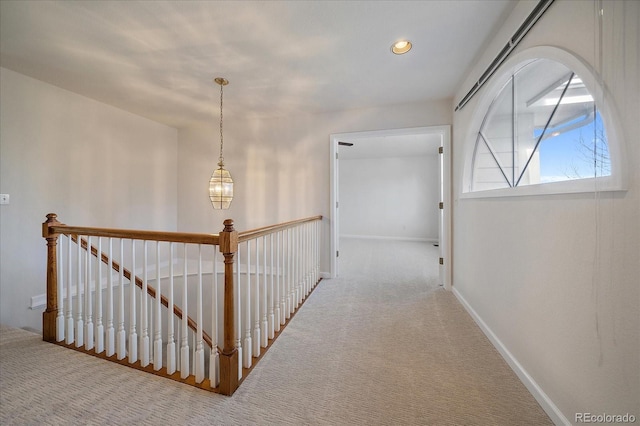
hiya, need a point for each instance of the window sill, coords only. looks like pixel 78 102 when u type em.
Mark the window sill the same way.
pixel 591 185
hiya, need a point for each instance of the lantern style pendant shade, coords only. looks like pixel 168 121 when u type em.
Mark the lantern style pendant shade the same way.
pixel 221 184
pixel 221 188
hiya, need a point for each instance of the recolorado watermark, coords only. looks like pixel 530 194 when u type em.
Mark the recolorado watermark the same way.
pixel 604 418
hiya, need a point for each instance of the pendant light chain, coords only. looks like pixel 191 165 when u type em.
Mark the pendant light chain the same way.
pixel 221 159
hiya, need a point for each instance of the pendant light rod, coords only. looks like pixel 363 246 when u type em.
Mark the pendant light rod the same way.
pixel 222 82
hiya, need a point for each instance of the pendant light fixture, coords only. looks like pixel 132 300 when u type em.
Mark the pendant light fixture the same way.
pixel 221 184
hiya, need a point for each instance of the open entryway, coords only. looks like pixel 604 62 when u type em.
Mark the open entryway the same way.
pixel 392 184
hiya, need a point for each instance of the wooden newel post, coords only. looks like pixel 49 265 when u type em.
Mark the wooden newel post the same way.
pixel 50 314
pixel 229 357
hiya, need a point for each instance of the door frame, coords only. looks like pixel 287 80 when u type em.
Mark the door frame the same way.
pixel 445 189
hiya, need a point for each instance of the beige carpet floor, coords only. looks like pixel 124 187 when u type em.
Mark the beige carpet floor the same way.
pixel 382 344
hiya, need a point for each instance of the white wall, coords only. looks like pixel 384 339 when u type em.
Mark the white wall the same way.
pixel 90 163
pixel 390 197
pixel 280 166
pixel 555 278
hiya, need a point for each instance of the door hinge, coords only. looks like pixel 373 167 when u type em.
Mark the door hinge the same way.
pixel 441 205
pixel 441 261
pixel 337 253
pixel 336 155
pixel 440 150
pixel 336 204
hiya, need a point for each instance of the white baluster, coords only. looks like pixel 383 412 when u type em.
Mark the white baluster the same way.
pixel 178 351
pixel 88 323
pixel 193 353
pixel 238 312
pixel 277 303
pixel 318 238
pixel 157 341
pixel 288 275
pixel 310 256
pixel 286 266
pixel 199 363
pixel 296 269
pixel 98 286
pixel 247 311
pixel 256 305
pixel 307 266
pixel 271 319
pixel 301 283
pixel 214 358
pixel 264 327
pixel 294 273
pixel 151 322
pixel 144 319
pixel 300 252
pixel 283 282
pixel 133 335
pixel 315 253
pixel 306 270
pixel 110 330
pixel 303 261
pixel 70 334
pixel 296 266
pixel 184 348
pixel 300 257
pixel 60 290
pixel 79 295
pixel 171 344
pixel 122 334
pixel 291 247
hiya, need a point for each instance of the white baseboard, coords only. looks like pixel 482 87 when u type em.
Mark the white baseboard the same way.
pixel 376 237
pixel 543 399
pixel 38 301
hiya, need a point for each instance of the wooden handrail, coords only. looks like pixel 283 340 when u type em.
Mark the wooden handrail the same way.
pixel 132 234
pixel 259 232
pixel 177 237
pixel 151 291
pixel 227 241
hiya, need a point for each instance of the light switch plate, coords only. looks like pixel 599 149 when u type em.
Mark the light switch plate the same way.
pixel 4 198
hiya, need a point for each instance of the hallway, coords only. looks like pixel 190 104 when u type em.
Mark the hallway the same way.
pixel 381 344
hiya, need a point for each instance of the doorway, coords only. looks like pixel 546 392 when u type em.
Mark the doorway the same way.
pixel 396 142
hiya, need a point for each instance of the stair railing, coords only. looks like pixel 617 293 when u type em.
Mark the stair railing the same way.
pixel 180 276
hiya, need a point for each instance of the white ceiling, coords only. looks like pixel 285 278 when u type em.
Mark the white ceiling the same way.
pixel 157 59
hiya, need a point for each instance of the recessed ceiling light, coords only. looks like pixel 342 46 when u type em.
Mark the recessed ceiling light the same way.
pixel 401 47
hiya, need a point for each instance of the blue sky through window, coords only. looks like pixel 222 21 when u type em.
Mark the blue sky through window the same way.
pixel 570 154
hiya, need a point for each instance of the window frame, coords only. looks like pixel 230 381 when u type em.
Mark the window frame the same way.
pixel 617 181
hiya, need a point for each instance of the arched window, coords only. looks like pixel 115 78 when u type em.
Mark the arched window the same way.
pixel 542 127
